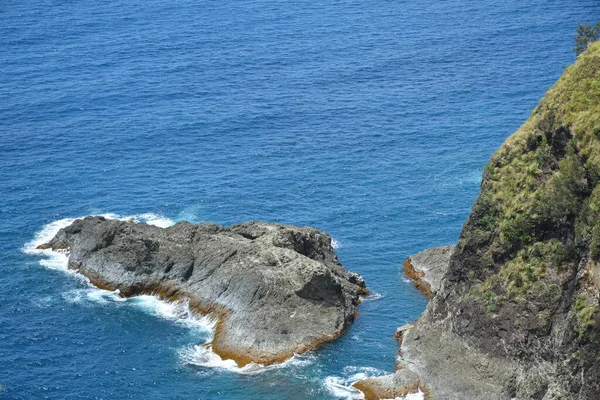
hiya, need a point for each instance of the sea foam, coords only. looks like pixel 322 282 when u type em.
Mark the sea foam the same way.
pixel 203 356
pixel 341 386
pixel 373 297
pixel 59 260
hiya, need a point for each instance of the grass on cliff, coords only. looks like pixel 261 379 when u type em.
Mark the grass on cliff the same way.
pixel 538 212
pixel 585 311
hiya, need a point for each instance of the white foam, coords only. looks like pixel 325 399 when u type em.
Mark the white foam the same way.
pixel 42 301
pixel 411 396
pixel 372 297
pixel 177 311
pixel 45 235
pixel 55 260
pixel 335 244
pixel 58 260
pixel 152 219
pixel 203 356
pixel 415 396
pixel 149 218
pixel 341 386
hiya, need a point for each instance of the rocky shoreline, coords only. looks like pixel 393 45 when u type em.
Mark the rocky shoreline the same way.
pixel 426 269
pixel 276 290
pixel 433 360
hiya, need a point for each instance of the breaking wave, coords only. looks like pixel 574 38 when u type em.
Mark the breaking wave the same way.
pixel 203 356
pixel 373 297
pixel 341 386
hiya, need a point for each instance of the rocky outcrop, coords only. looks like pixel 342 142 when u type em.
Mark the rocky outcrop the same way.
pixel 277 290
pixel 432 359
pixel 517 313
pixel 428 267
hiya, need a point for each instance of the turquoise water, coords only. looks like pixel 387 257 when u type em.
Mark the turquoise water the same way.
pixel 370 120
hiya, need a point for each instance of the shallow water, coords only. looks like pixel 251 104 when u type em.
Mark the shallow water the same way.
pixel 369 120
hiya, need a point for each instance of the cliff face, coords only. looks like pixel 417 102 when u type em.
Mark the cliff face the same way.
pixel 516 315
pixel 523 282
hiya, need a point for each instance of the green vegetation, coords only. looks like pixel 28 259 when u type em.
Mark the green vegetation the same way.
pixel 538 213
pixel 586 34
pixel 584 314
pixel 522 277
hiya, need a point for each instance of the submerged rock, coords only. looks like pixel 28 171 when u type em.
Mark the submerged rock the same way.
pixel 277 289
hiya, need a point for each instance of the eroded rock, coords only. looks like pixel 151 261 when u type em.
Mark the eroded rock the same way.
pixel 277 290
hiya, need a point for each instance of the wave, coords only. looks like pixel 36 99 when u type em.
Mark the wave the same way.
pixel 341 386
pixel 335 244
pixel 177 312
pixel 203 356
pixel 373 297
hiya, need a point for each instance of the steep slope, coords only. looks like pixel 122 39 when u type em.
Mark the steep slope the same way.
pixel 517 313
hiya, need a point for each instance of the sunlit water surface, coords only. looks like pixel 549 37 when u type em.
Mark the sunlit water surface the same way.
pixel 371 120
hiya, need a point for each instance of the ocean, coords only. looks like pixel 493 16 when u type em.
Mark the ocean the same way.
pixel 370 120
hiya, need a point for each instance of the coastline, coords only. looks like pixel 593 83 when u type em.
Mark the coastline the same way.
pixel 427 348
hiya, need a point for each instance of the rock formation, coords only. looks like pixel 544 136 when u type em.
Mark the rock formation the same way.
pixel 428 267
pixel 516 315
pixel 277 290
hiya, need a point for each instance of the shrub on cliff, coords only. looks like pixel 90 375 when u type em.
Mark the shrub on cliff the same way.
pixel 586 34
pixel 536 223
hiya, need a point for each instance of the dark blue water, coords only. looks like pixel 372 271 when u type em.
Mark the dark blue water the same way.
pixel 371 120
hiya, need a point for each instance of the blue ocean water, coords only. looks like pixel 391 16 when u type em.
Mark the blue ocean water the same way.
pixel 370 120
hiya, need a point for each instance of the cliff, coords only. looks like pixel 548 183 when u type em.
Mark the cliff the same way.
pixel 277 290
pixel 516 315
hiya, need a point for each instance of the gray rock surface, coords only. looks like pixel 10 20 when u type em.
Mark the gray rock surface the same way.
pixel 434 359
pixel 434 264
pixel 277 289
pixel 427 268
pixel 447 365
